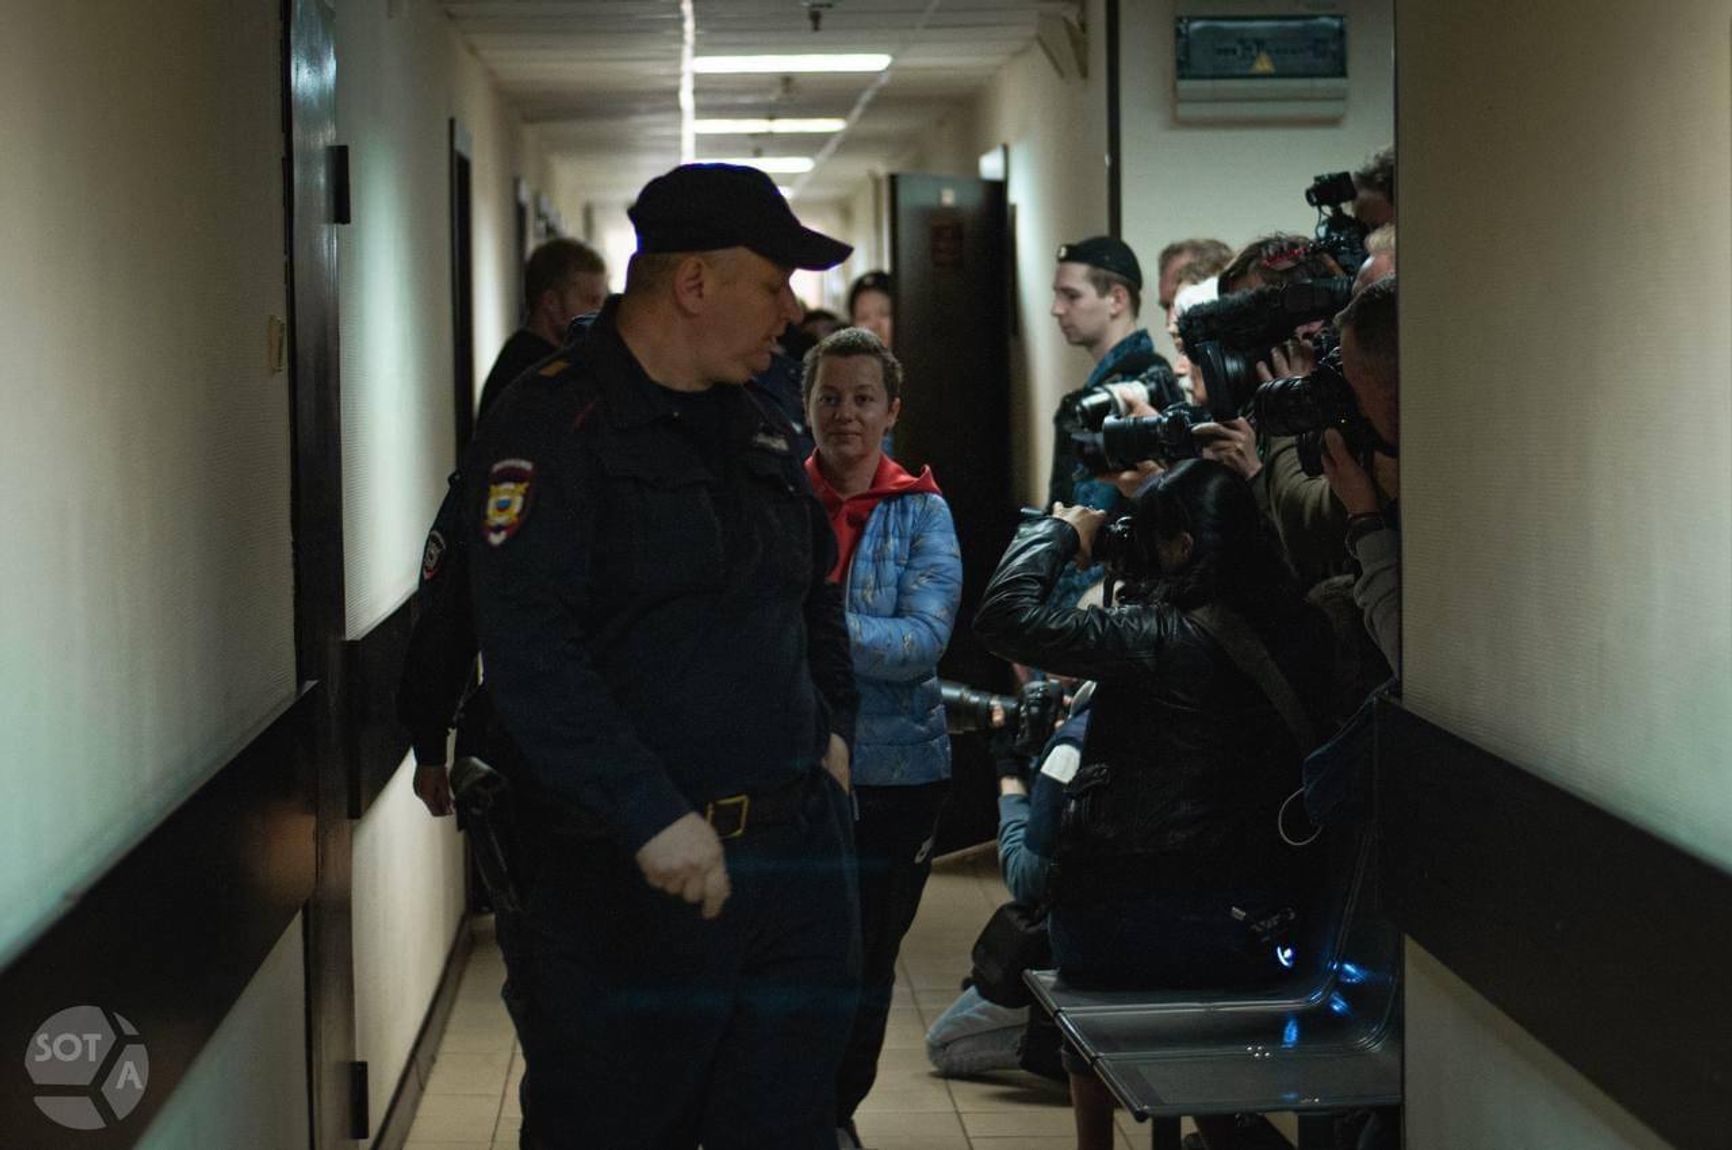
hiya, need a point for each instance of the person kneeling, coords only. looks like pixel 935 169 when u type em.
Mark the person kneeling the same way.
pixel 1168 844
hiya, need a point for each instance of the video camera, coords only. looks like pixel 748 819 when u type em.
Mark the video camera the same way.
pixel 1338 233
pixel 1031 713
pixel 1305 406
pixel 1224 339
pixel 1123 442
pixel 1098 404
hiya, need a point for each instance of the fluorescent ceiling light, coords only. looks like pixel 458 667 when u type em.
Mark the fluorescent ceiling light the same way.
pixel 755 127
pixel 776 165
pixel 778 65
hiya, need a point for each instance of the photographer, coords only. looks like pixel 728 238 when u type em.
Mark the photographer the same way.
pixel 1371 364
pixel 1374 189
pixel 1168 844
pixel 1309 520
pixel 988 1027
pixel 1096 297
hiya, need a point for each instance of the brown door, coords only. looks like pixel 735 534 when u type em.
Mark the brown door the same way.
pixel 316 200
pixel 948 239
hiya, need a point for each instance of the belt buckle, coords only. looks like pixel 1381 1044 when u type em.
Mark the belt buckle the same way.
pixel 740 804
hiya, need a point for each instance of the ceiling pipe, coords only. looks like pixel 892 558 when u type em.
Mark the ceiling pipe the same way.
pixel 688 85
pixel 865 99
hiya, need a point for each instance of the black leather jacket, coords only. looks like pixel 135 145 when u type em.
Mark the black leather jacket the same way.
pixel 1199 759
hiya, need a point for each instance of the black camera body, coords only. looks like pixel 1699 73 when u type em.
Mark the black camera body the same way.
pixel 1030 714
pixel 1224 339
pixel 1098 404
pixel 1338 233
pixel 1115 544
pixel 1305 406
pixel 1123 442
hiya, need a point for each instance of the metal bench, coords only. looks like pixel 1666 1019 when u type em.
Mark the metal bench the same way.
pixel 1326 1039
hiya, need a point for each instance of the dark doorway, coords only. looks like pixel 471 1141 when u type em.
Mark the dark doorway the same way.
pixel 316 198
pixel 462 305
pixel 947 239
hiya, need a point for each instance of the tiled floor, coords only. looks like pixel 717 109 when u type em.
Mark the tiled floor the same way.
pixel 471 1098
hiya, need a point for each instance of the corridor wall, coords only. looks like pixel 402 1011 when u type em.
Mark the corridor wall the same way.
pixel 146 616
pixel 403 75
pixel 1566 269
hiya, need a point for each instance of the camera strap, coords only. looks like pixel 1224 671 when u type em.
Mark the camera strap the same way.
pixel 1248 653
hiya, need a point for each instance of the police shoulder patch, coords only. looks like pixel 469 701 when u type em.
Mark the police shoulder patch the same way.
pixel 773 441
pixel 553 367
pixel 510 484
pixel 432 556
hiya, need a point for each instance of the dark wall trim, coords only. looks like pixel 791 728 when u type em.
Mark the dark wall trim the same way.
pixel 170 936
pixel 374 742
pixel 394 1130
pixel 1115 145
pixel 1606 943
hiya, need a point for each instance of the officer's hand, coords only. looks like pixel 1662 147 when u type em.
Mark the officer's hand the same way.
pixel 837 763
pixel 433 787
pixel 685 858
pixel 1233 443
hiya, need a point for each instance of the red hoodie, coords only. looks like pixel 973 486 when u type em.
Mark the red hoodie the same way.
pixel 848 516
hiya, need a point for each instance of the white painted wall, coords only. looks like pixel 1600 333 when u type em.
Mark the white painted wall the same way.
pixel 1566 263
pixel 408 907
pixel 146 626
pixel 1057 187
pixel 248 1086
pixel 1236 182
pixel 401 78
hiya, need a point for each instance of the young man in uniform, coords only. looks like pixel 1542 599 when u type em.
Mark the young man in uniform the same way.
pixel 648 577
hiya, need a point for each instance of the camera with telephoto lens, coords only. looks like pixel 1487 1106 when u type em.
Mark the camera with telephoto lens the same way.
pixel 1031 713
pixel 1123 442
pixel 1226 338
pixel 1096 405
pixel 1338 233
pixel 1305 406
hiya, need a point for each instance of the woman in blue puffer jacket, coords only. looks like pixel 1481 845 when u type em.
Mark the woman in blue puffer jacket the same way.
pixel 901 573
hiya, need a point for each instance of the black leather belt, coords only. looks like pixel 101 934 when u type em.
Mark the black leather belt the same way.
pixel 734 816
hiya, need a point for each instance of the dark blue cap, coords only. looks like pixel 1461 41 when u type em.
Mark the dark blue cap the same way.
pixel 1106 253
pixel 705 207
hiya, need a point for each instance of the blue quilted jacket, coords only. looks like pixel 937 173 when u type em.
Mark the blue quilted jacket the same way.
pixel 902 592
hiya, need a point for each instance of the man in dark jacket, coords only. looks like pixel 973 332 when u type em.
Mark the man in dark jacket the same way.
pixel 1096 296
pixel 648 580
pixel 564 278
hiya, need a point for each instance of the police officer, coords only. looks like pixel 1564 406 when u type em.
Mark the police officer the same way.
pixel 648 578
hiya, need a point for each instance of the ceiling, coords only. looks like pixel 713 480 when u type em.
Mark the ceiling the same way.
pixel 600 78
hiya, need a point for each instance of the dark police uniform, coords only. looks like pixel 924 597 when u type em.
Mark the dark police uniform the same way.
pixel 648 577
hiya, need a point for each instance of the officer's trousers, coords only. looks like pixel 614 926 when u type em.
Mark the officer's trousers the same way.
pixel 645 1027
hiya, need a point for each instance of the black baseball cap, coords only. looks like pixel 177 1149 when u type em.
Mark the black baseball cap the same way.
pixel 704 207
pixel 1106 253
